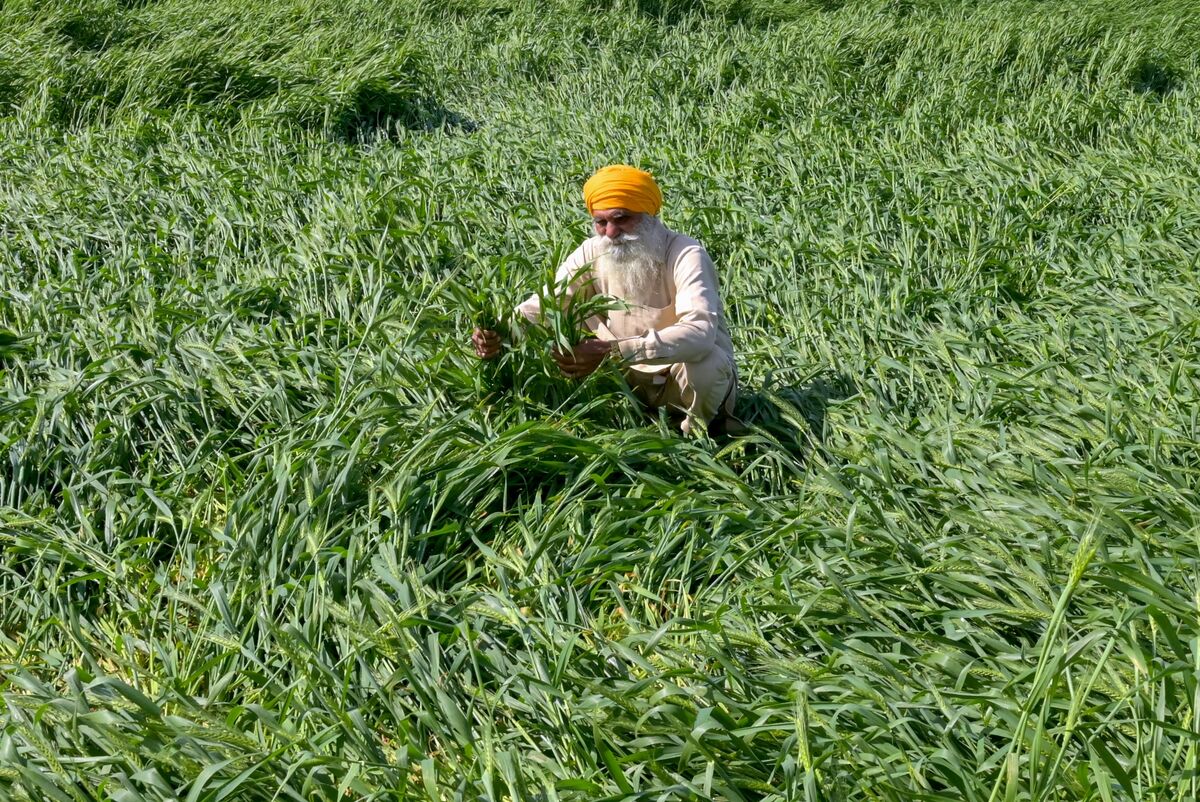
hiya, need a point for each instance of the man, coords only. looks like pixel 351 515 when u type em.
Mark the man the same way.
pixel 671 340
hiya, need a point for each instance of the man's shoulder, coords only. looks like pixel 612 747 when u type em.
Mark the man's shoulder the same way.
pixel 585 254
pixel 592 246
pixel 681 244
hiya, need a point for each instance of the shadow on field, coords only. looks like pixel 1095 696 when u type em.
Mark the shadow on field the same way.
pixel 794 414
pixel 376 110
pixel 92 32
pixel 1155 78
pixel 433 116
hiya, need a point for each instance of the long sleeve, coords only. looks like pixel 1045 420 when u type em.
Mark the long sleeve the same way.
pixel 571 275
pixel 698 316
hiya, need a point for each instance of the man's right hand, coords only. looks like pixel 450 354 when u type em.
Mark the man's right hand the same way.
pixel 487 343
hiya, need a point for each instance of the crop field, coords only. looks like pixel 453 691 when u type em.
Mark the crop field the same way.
pixel 270 531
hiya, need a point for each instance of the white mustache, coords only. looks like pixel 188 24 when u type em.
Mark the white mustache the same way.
pixel 621 239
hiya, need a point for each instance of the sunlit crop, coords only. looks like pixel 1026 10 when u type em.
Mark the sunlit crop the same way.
pixel 268 530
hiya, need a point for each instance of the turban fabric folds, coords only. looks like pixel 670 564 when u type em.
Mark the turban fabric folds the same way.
pixel 620 186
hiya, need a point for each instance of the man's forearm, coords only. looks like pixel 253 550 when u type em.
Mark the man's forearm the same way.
pixel 685 341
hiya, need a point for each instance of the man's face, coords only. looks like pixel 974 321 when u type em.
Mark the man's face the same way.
pixel 631 263
pixel 615 224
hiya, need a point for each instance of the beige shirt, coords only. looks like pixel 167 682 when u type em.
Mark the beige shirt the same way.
pixel 680 320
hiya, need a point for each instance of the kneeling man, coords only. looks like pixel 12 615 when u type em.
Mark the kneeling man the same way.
pixel 671 340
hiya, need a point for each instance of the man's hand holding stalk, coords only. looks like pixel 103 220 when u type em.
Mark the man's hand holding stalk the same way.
pixel 487 343
pixel 581 361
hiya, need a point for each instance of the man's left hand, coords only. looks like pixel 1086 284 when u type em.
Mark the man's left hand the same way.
pixel 583 359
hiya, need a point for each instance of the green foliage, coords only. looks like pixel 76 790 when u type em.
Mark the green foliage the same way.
pixel 269 530
pixel 330 66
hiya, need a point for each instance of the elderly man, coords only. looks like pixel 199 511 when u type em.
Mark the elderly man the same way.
pixel 671 339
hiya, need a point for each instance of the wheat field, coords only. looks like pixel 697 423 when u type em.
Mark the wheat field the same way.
pixel 268 530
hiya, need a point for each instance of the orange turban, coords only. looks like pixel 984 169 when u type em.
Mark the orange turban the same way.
pixel 620 186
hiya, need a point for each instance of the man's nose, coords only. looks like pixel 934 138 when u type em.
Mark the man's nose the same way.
pixel 611 231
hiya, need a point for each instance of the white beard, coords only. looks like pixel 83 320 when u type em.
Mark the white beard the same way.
pixel 631 267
